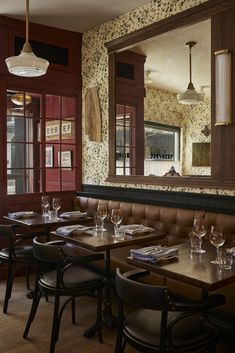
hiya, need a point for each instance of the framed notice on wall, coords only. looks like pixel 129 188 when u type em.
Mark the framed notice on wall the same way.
pixel 201 154
pixel 65 159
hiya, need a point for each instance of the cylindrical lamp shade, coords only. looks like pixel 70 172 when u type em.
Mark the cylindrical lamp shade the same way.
pixel 223 87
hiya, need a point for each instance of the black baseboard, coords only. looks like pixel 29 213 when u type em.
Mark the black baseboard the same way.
pixel 193 201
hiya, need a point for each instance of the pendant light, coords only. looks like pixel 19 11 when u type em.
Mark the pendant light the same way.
pixel 190 96
pixel 27 64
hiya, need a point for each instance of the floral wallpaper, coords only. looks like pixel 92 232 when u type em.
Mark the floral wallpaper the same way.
pixel 95 73
pixel 162 107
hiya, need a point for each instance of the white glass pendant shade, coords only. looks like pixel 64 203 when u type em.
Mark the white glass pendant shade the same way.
pixel 27 64
pixel 190 96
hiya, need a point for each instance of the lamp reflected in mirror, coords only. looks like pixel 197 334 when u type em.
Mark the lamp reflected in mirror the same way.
pixel 21 99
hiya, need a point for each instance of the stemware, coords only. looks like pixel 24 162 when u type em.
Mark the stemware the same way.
pixel 45 203
pixel 116 219
pixel 217 239
pixel 56 205
pixel 102 213
pixel 199 230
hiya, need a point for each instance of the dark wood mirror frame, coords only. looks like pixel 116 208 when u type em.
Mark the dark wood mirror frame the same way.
pixel 222 14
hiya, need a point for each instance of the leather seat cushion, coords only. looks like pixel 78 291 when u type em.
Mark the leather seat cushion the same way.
pixel 144 326
pixel 24 251
pixel 75 277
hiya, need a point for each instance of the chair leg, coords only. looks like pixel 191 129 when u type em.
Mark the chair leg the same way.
pixel 9 284
pixel 27 277
pixel 73 308
pixel 99 316
pixel 36 300
pixel 54 332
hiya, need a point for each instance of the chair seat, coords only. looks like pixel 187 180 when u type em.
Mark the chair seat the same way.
pixel 143 326
pixel 21 252
pixel 76 277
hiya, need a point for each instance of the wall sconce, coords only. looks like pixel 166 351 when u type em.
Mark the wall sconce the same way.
pixel 223 87
pixel 206 131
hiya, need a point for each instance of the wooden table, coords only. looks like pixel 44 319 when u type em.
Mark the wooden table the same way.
pixel 192 268
pixel 40 222
pixel 106 241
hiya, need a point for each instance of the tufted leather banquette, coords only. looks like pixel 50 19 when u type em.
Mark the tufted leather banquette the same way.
pixel 176 224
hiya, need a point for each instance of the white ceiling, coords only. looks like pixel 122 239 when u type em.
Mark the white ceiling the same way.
pixel 168 57
pixel 75 15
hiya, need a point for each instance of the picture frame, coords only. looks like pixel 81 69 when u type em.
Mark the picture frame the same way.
pixel 65 159
pixel 49 157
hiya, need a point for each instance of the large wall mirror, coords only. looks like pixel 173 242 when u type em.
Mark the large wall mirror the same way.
pixel 156 132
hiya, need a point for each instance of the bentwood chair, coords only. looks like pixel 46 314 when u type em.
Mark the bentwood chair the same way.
pixel 160 323
pixel 72 277
pixel 16 254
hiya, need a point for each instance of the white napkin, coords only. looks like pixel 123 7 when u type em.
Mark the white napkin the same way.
pixel 154 253
pixel 232 250
pixel 72 229
pixel 73 214
pixel 133 229
pixel 22 214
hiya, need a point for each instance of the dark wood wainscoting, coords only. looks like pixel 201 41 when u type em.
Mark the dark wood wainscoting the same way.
pixel 193 201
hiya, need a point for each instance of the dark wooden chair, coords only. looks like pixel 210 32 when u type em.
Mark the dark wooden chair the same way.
pixel 72 277
pixel 160 322
pixel 16 254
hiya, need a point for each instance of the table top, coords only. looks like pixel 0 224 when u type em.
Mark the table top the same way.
pixel 39 221
pixel 106 240
pixel 192 268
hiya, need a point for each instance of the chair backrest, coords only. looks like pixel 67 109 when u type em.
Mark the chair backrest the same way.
pixel 6 232
pixel 143 295
pixel 47 253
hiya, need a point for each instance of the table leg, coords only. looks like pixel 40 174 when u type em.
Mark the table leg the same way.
pixel 108 317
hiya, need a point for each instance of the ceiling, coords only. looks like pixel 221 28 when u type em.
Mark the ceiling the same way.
pixel 167 56
pixel 75 15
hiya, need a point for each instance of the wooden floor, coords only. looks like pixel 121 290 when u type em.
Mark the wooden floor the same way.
pixel 71 336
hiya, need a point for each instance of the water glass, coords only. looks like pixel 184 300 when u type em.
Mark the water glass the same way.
pixel 56 205
pixel 45 203
pixel 195 243
pixel 120 233
pixel 217 239
pixel 225 259
pixel 116 219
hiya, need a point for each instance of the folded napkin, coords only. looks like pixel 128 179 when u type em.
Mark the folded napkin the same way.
pixel 73 214
pixel 22 214
pixel 69 230
pixel 154 253
pixel 133 229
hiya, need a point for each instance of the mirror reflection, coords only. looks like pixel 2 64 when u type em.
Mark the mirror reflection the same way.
pixel 163 104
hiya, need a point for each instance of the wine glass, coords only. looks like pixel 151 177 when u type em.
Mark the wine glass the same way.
pixel 116 219
pixel 102 214
pixel 45 203
pixel 199 230
pixel 56 205
pixel 217 239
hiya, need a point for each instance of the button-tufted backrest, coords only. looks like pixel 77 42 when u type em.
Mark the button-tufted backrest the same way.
pixel 175 223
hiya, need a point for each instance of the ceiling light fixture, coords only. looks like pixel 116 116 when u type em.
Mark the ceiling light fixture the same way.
pixel 27 64
pixel 21 99
pixel 190 96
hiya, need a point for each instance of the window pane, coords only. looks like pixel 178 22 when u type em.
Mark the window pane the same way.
pixel 20 181
pixel 68 108
pixel 52 179
pixel 20 129
pixel 68 179
pixel 52 107
pixel 20 155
